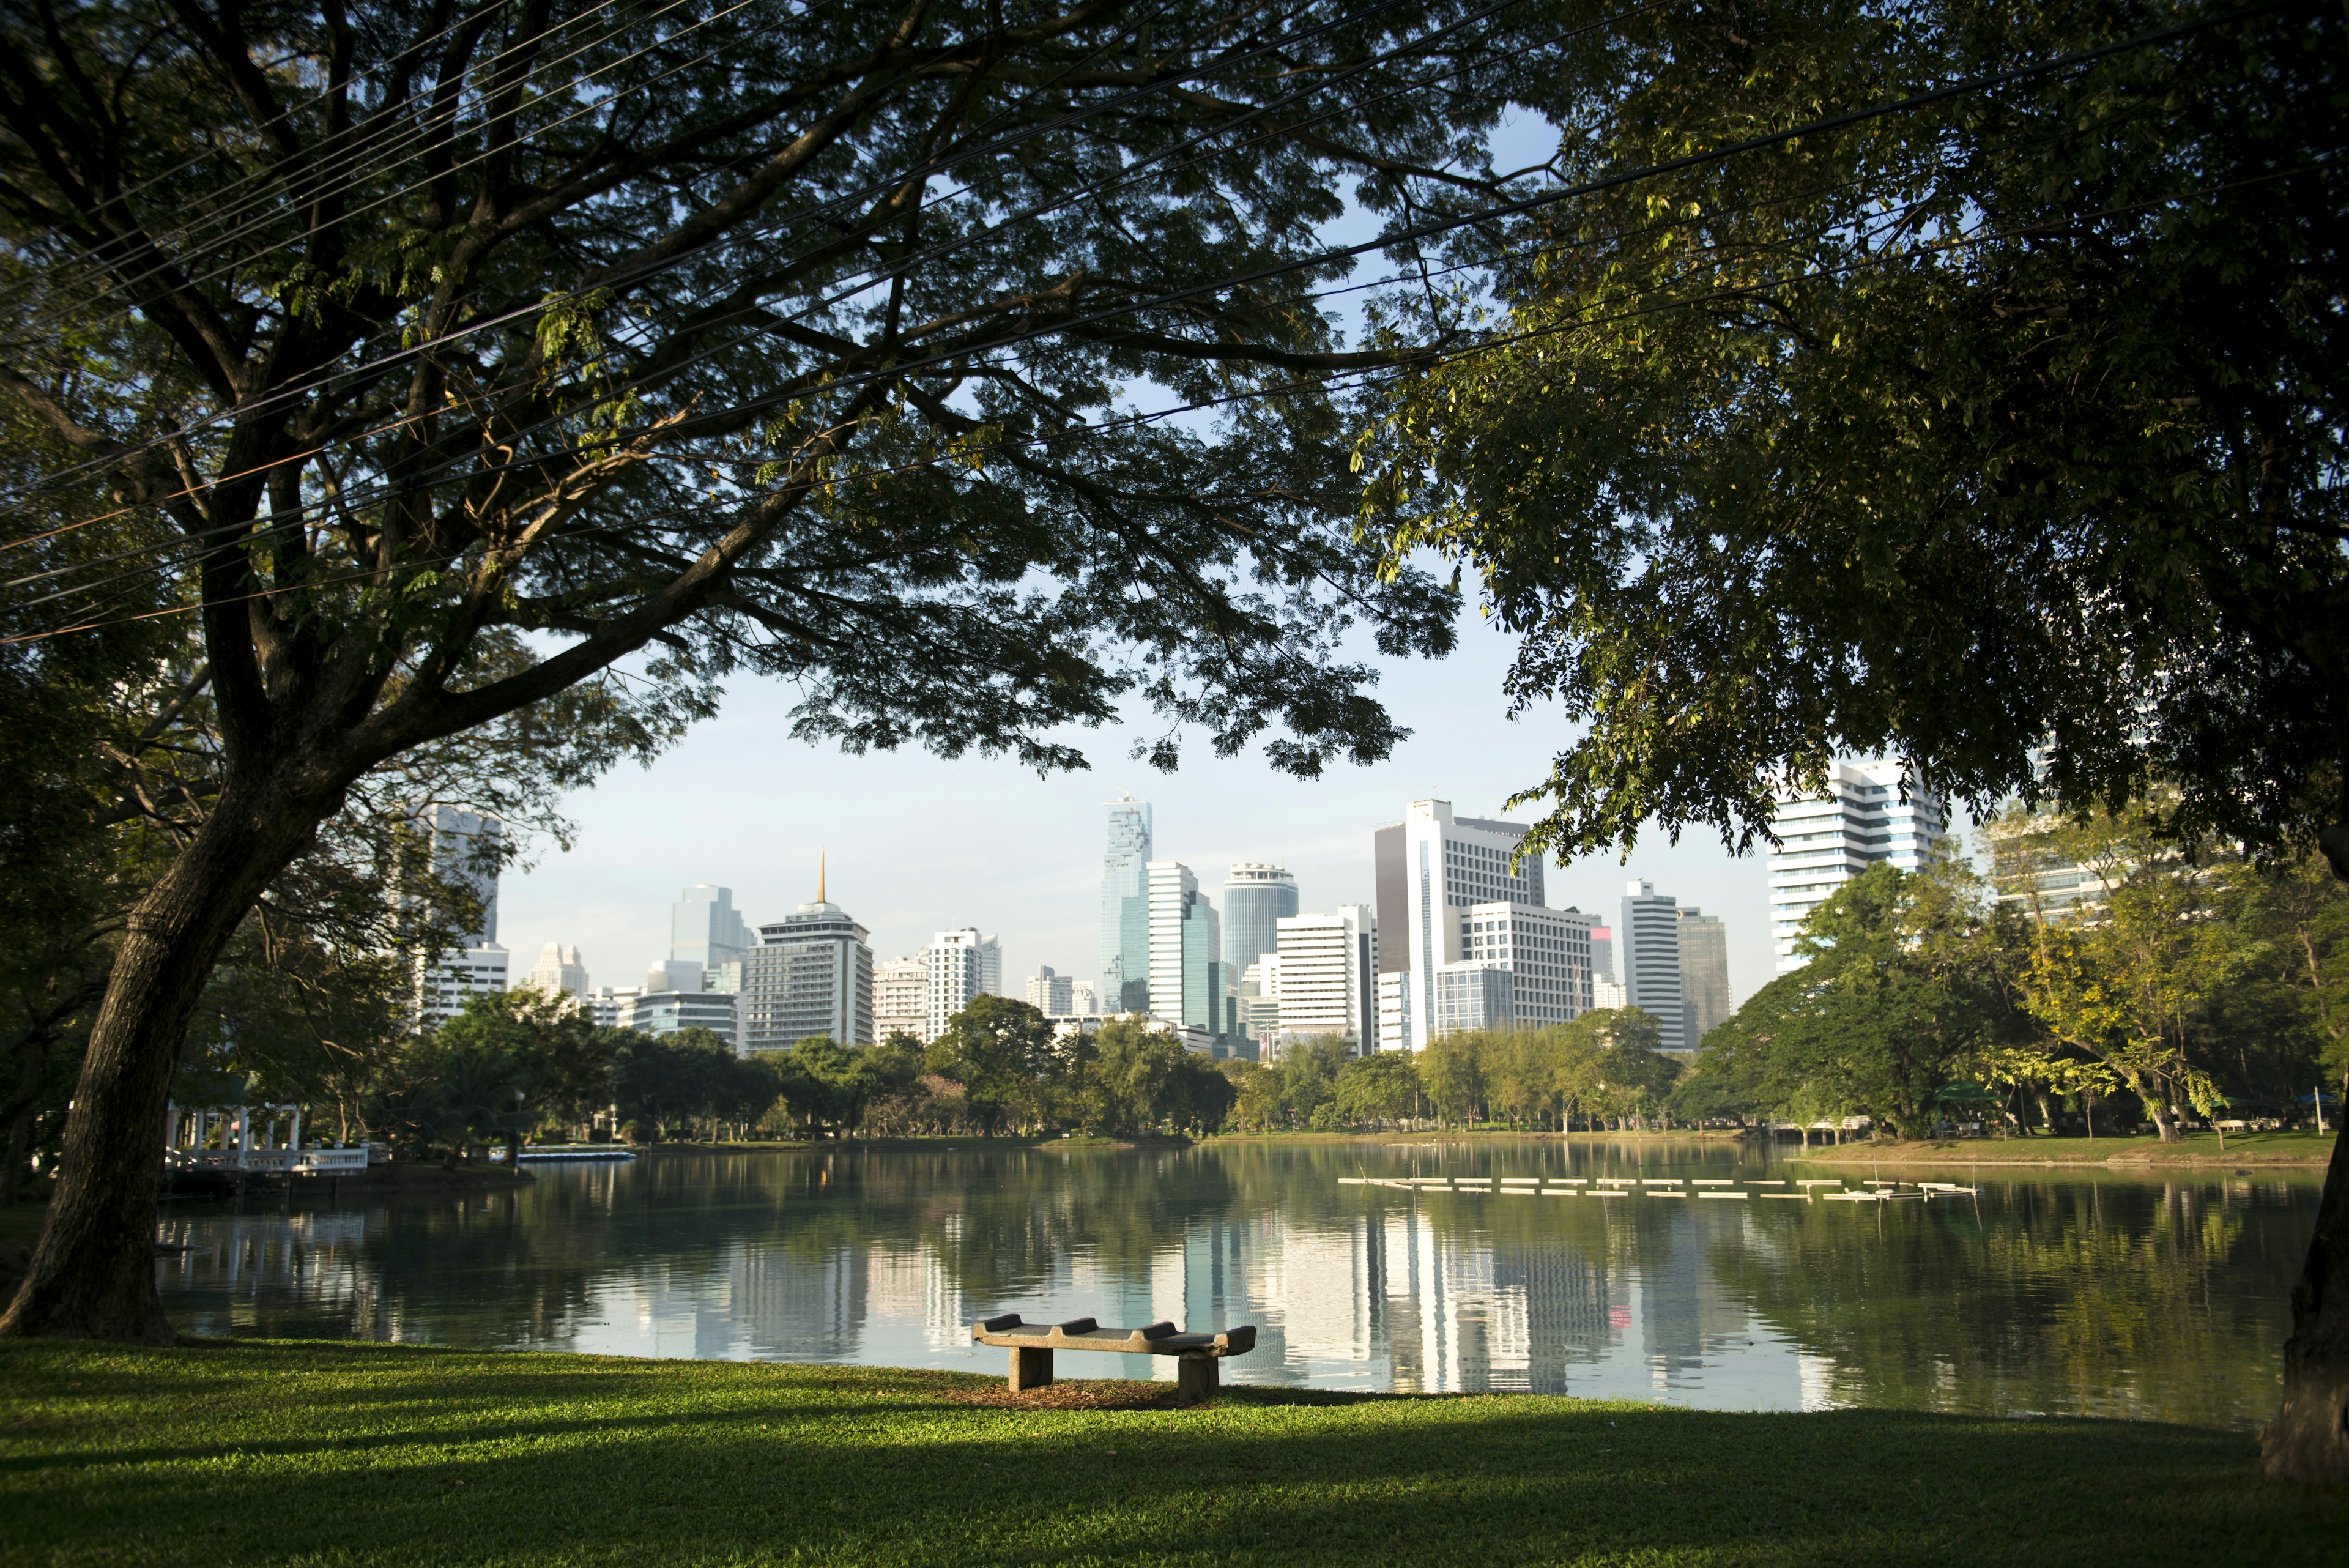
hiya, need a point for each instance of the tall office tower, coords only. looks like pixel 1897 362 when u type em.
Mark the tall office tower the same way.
pixel 1546 953
pixel 1125 908
pixel 467 850
pixel 1651 960
pixel 957 963
pixel 1188 980
pixel 1051 993
pixel 705 928
pixel 1431 869
pixel 1704 975
pixel 2027 875
pixel 1257 897
pixel 1825 841
pixel 1602 951
pixel 1085 1002
pixel 811 974
pixel 901 999
pixel 1327 976
pixel 990 967
pixel 559 972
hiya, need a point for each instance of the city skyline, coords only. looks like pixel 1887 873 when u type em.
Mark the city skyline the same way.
pixel 907 870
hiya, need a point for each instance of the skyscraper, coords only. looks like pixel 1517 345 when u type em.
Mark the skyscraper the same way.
pixel 559 972
pixel 1651 939
pixel 1825 840
pixel 1257 897
pixel 1704 975
pixel 1429 870
pixel 705 928
pixel 811 974
pixel 901 999
pixel 1328 977
pixel 1051 993
pixel 1188 980
pixel 958 963
pixel 1125 908
pixel 467 851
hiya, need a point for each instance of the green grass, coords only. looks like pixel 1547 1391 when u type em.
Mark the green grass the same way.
pixel 335 1454
pixel 2198 1148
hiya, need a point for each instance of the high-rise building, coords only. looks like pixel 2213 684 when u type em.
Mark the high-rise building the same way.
pixel 1608 995
pixel 704 927
pixel 1258 1005
pixel 1257 897
pixel 1651 939
pixel 1704 975
pixel 669 1012
pixel 811 974
pixel 1431 869
pixel 1825 840
pixel 901 999
pixel 990 967
pixel 677 974
pixel 559 972
pixel 468 848
pixel 1125 908
pixel 1473 994
pixel 606 1004
pixel 1188 986
pixel 1395 1010
pixel 1085 1002
pixel 1546 953
pixel 959 964
pixel 1602 951
pixel 1051 993
pixel 1327 976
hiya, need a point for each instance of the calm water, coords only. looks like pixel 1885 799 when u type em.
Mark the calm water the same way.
pixel 2105 1294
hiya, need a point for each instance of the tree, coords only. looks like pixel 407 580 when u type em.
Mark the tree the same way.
pixel 1452 1073
pixel 1001 1050
pixel 1381 1087
pixel 709 339
pixel 2001 435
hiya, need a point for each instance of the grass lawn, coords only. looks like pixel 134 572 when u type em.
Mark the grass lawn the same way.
pixel 240 1452
pixel 2197 1148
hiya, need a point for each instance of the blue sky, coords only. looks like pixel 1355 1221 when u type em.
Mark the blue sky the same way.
pixel 917 845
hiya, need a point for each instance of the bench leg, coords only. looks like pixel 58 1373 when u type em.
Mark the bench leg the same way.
pixel 1197 1379
pixel 1030 1369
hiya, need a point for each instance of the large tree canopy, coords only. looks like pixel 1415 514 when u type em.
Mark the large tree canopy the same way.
pixel 2002 432
pixel 823 341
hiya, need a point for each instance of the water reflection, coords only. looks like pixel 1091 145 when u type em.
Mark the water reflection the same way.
pixel 2104 1295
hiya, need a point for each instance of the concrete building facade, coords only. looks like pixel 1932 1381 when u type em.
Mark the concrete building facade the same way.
pixel 901 999
pixel 467 848
pixel 1648 935
pixel 811 975
pixel 1704 975
pixel 960 963
pixel 1429 870
pixel 1326 976
pixel 1825 840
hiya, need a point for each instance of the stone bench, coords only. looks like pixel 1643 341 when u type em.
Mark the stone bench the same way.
pixel 1031 1345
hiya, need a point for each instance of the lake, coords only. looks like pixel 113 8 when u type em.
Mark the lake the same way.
pixel 2075 1293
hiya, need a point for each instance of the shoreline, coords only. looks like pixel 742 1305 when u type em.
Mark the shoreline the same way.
pixel 2267 1150
pixel 365 1453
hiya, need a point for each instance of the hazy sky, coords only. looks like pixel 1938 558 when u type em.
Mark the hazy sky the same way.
pixel 917 845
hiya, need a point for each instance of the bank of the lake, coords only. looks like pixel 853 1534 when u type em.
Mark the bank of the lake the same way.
pixel 309 1452
pixel 2200 1151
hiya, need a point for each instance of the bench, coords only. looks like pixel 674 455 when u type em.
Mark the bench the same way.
pixel 1031 1345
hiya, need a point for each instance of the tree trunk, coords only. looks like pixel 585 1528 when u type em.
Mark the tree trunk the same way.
pixel 93 1271
pixel 2309 1439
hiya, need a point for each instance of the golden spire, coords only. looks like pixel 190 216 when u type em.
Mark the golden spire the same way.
pixel 819 876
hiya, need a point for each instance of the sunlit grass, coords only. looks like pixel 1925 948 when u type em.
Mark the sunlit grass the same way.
pixel 330 1453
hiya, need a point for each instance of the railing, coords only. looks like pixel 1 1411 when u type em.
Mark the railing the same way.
pixel 269 1161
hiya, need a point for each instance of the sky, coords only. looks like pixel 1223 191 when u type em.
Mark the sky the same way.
pixel 916 844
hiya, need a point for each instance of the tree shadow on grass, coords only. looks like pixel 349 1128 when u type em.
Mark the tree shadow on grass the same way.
pixel 398 1457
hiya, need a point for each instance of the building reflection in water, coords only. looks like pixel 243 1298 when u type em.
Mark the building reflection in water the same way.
pixel 1646 1298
